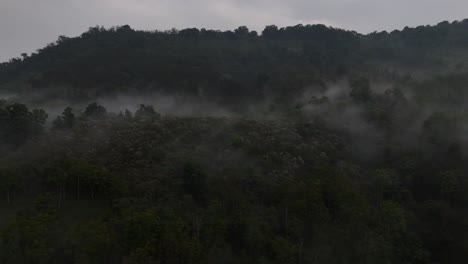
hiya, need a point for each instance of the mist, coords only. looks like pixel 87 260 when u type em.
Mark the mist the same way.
pixel 297 144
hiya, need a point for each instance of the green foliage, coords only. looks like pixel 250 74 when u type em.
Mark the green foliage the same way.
pixel 95 110
pixel 9 182
pixel 18 124
pixel 29 239
pixel 370 174
pixel 144 112
pixel 275 192
pixel 194 180
pixel 92 242
pixel 66 121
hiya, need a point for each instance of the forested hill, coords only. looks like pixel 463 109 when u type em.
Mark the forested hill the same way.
pixel 305 144
pixel 230 66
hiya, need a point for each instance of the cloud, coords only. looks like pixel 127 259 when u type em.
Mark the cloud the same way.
pixel 26 25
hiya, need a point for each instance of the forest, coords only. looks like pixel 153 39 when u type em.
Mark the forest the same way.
pixel 302 144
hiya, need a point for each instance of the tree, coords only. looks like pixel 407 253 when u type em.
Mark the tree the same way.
pixel 93 242
pixel 68 117
pixel 189 32
pixel 146 112
pixel 194 180
pixel 57 176
pixel 95 110
pixel 441 128
pixel 99 182
pixel 453 186
pixel 270 31
pixel 9 181
pixel 242 31
pixel 66 120
pixel 78 174
pixel 29 238
pixel 128 114
pixel 18 124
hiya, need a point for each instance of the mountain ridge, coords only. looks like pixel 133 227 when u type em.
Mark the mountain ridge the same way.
pixel 237 65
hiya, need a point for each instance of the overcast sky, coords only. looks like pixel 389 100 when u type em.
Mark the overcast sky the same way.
pixel 26 25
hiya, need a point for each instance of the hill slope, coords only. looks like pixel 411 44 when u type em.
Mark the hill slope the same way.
pixel 230 67
pixel 305 144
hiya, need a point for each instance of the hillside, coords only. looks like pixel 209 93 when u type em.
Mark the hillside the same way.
pixel 230 67
pixel 304 144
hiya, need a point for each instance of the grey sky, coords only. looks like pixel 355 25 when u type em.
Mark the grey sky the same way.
pixel 26 25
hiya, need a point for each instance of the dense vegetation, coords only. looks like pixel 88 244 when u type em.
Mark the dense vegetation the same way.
pixel 337 148
pixel 232 66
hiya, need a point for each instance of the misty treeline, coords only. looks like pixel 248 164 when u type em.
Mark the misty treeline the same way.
pixel 303 144
pixel 230 67
pixel 355 175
